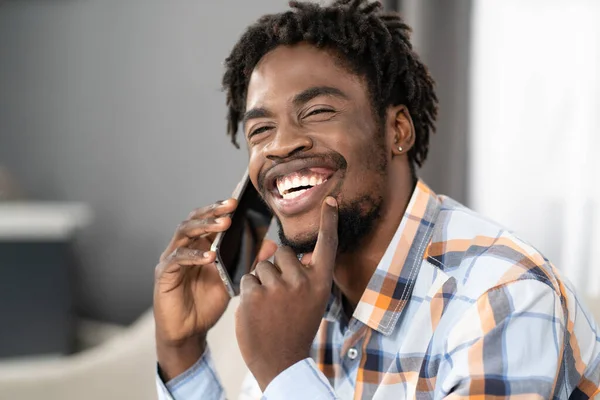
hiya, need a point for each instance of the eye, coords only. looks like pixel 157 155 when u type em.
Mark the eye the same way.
pixel 259 131
pixel 318 111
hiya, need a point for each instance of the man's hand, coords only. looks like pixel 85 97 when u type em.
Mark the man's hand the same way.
pixel 282 305
pixel 189 296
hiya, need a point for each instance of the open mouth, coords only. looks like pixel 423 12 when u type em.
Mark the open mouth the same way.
pixel 297 183
pixel 300 185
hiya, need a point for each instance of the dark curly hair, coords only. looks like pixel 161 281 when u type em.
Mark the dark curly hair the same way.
pixel 371 43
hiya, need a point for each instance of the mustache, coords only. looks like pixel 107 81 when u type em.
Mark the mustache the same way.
pixel 332 158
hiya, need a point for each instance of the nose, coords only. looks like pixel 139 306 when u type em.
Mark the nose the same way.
pixel 288 142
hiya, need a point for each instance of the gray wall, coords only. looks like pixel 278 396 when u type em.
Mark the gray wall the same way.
pixel 442 34
pixel 117 103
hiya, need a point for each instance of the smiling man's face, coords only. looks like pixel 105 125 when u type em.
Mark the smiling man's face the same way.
pixel 311 132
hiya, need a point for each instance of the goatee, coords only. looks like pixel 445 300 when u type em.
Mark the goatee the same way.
pixel 355 221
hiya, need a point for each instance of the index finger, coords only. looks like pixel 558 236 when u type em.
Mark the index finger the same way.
pixel 214 210
pixel 180 239
pixel 327 242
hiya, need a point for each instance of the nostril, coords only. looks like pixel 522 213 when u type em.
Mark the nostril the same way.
pixel 278 153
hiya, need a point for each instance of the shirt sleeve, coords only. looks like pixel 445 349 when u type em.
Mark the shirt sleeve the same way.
pixel 301 381
pixel 200 381
pixel 508 344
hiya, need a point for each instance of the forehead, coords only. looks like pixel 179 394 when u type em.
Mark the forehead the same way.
pixel 288 70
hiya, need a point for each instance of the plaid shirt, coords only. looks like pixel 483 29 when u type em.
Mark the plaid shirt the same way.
pixel 458 307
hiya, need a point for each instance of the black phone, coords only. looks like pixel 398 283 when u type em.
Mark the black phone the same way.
pixel 237 248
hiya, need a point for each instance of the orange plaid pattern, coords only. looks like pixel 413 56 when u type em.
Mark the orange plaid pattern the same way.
pixel 458 308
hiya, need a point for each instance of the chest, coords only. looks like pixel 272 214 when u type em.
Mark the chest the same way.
pixel 364 363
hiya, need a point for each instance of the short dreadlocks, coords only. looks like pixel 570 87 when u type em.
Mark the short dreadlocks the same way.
pixel 371 43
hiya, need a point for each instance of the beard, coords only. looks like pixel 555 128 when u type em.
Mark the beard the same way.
pixel 356 217
pixel 355 221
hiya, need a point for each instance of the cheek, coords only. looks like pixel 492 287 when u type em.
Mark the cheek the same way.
pixel 365 167
pixel 254 167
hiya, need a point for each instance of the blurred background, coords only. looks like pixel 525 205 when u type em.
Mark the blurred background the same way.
pixel 112 124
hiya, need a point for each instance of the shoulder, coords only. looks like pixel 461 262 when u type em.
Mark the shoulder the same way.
pixel 481 254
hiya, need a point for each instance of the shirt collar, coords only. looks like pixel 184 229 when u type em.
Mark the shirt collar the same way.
pixel 390 287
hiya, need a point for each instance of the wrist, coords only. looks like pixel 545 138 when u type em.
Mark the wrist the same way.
pixel 176 358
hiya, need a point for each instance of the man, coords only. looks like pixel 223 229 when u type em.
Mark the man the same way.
pixel 399 293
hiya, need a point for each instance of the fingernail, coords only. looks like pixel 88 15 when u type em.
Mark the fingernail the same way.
pixel 206 254
pixel 223 202
pixel 331 201
pixel 219 220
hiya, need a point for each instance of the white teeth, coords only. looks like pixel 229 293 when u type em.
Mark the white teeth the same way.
pixel 284 185
pixel 292 195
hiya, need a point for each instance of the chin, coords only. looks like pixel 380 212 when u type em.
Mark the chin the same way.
pixel 301 241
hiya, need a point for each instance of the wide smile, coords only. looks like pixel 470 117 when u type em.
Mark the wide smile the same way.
pixel 297 191
pixel 301 191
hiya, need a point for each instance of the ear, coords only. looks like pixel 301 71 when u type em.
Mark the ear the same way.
pixel 400 131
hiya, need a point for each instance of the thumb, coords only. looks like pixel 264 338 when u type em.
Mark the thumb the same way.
pixel 327 242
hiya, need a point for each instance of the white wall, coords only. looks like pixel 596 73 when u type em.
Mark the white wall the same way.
pixel 536 127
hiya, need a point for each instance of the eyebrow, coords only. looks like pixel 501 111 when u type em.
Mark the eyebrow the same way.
pixel 301 98
pixel 254 113
pixel 310 93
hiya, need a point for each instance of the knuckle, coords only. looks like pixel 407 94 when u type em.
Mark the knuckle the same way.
pixel 261 268
pixel 244 282
pixel 248 291
pixel 158 270
pixel 299 283
pixel 201 211
pixel 179 253
pixel 193 213
pixel 196 212
pixel 165 254
pixel 181 226
pixel 170 257
pixel 204 222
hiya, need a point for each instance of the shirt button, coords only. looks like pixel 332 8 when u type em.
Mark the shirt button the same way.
pixel 352 353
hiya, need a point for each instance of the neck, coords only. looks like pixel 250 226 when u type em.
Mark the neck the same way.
pixel 353 270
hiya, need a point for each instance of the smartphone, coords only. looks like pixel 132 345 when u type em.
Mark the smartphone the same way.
pixel 237 248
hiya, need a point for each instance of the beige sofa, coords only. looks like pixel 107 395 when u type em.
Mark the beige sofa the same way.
pixel 123 367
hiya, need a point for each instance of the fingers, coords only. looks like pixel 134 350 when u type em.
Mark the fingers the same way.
pixel 249 284
pixel 183 257
pixel 267 273
pixel 186 256
pixel 267 249
pixel 327 242
pixel 287 261
pixel 198 227
pixel 202 221
pixel 214 210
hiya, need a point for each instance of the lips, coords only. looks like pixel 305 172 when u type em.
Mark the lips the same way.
pixel 298 186
pixel 294 184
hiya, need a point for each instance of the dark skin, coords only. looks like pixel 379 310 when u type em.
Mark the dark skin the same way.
pixel 291 123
